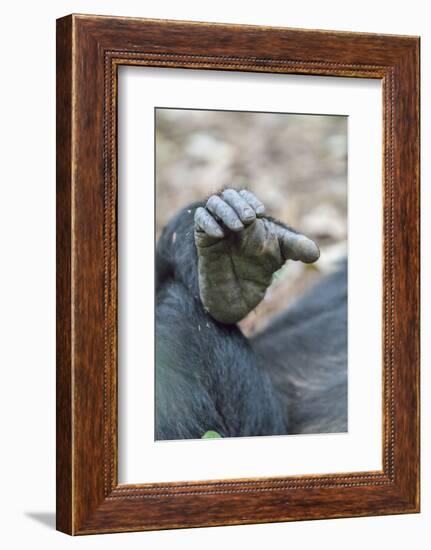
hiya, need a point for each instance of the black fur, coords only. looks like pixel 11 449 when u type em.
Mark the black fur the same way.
pixel 292 378
pixel 304 351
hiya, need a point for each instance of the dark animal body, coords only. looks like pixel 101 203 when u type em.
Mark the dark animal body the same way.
pixel 291 378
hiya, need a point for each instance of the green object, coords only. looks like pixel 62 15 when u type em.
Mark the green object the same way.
pixel 211 434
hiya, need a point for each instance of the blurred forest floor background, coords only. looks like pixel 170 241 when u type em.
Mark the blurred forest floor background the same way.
pixel 295 164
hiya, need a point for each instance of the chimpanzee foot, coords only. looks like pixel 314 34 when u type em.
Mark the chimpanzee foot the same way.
pixel 239 249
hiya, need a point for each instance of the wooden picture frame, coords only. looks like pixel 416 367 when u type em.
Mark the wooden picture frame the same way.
pixel 89 51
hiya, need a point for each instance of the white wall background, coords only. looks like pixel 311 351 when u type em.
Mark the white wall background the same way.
pixel 27 289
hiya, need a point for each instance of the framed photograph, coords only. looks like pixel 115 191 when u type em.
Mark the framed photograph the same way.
pixel 237 274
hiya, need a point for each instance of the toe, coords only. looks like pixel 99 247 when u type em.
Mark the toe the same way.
pixel 295 246
pixel 245 212
pixel 306 250
pixel 253 201
pixel 206 223
pixel 224 212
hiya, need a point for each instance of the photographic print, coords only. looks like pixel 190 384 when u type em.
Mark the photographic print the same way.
pixel 251 274
pixel 212 390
